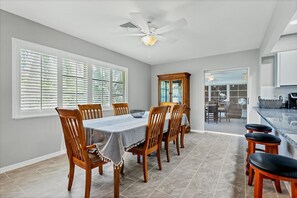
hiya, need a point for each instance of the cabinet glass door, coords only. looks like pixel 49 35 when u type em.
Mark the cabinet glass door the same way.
pixel 164 92
pixel 177 92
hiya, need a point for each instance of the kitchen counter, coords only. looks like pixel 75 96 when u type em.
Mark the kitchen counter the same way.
pixel 284 121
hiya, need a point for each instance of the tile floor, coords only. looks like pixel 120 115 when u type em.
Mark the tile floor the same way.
pixel 209 166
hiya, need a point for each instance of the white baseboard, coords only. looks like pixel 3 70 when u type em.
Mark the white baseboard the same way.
pixel 197 131
pixel 222 133
pixel 31 161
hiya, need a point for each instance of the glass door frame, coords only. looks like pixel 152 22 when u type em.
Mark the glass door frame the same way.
pixel 249 107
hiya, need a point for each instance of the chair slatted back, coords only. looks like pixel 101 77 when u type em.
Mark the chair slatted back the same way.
pixel 74 135
pixel 169 104
pixel 155 126
pixel 120 108
pixel 176 115
pixel 90 111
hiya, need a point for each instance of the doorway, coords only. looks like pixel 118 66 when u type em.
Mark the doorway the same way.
pixel 226 99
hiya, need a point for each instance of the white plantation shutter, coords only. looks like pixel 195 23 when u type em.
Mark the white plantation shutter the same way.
pixel 45 78
pixel 38 81
pixel 101 85
pixel 74 83
pixel 118 86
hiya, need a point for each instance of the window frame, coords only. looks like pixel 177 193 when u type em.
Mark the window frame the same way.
pixel 18 44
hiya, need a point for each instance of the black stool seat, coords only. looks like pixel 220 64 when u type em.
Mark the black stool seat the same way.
pixel 258 127
pixel 275 164
pixel 262 137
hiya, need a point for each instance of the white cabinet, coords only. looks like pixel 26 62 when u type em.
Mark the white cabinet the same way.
pixel 287 68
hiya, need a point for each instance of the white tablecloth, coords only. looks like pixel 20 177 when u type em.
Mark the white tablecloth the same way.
pixel 113 135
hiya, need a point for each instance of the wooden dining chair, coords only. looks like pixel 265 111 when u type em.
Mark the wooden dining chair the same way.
pixel 174 128
pixel 77 150
pixel 120 108
pixel 90 111
pixel 169 104
pixel 153 138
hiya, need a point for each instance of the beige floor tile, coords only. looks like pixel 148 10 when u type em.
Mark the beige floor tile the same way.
pixel 210 165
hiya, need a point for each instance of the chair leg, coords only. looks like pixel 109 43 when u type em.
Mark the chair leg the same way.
pixel 294 190
pixel 144 165
pixel 100 169
pixel 70 175
pixel 159 158
pixel 177 146
pixel 167 150
pixel 258 185
pixel 138 158
pixel 182 136
pixel 88 182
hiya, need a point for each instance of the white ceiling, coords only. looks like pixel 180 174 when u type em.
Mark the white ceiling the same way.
pixel 214 27
pixel 227 77
pixel 291 28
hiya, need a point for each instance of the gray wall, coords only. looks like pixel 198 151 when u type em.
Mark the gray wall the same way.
pixel 26 139
pixel 246 59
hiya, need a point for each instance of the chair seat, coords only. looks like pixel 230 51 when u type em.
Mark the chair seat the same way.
pixel 258 127
pixel 137 149
pixel 261 137
pixel 275 164
pixel 95 158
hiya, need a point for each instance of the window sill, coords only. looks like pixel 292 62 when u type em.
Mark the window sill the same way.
pixel 20 117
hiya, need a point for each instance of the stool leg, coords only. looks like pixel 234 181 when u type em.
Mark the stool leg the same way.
pixel 251 176
pixel 294 190
pixel 274 150
pixel 278 186
pixel 258 185
pixel 251 150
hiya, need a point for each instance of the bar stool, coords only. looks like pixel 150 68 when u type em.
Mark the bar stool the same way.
pixel 273 167
pixel 258 128
pixel 270 142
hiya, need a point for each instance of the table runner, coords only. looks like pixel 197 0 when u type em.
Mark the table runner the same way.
pixel 113 135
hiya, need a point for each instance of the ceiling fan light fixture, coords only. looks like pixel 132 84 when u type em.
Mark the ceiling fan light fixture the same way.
pixel 149 40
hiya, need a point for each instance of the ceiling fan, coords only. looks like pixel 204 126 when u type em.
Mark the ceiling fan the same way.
pixel 149 32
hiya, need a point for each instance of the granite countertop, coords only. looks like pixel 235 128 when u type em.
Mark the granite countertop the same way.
pixel 283 121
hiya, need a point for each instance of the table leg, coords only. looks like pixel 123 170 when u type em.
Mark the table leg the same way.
pixel 183 131
pixel 116 182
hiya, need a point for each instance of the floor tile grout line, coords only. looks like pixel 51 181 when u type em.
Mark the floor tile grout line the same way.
pixel 7 176
pixel 174 169
pixel 222 167
pixel 199 167
pixel 162 193
pixel 137 179
pixel 21 189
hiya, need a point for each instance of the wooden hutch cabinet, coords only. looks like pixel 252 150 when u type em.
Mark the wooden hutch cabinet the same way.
pixel 175 88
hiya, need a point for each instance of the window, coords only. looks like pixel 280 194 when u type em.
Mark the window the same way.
pixel 101 85
pixel 74 83
pixel 38 81
pixel 118 86
pixel 44 78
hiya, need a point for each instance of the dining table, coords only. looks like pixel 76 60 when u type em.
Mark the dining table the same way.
pixel 116 134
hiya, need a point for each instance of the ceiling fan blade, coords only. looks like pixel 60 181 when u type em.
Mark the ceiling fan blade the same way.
pixel 165 39
pixel 134 34
pixel 177 24
pixel 138 20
